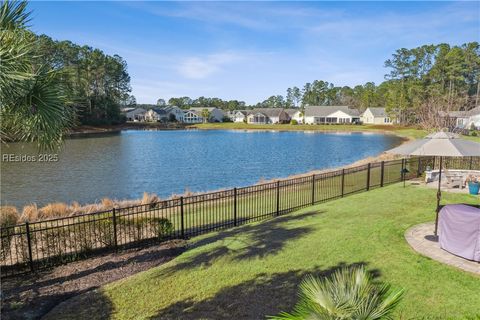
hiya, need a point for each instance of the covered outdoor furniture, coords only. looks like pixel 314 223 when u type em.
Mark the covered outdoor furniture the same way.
pixel 460 230
pixel 454 181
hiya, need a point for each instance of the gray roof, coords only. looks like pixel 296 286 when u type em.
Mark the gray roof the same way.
pixel 474 111
pixel 269 112
pixel 323 111
pixel 160 111
pixel 378 112
pixel 291 112
pixel 461 114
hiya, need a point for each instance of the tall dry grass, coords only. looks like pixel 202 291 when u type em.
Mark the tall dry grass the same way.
pixel 8 216
pixel 54 210
pixel 29 213
pixel 32 213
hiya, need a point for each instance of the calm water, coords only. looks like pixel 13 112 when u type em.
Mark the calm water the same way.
pixel 124 165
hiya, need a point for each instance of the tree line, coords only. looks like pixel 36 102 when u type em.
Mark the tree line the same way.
pixel 421 83
pixel 47 86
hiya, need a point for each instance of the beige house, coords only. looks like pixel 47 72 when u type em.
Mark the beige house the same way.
pixel 376 116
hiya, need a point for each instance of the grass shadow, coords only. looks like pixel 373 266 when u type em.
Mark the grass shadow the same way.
pixel 267 294
pixel 257 241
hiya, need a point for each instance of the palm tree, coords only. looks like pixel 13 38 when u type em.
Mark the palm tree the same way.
pixel 33 104
pixel 348 294
pixel 206 115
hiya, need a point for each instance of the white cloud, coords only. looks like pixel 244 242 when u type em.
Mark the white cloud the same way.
pixel 203 67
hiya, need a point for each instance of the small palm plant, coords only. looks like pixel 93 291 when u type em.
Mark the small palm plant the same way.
pixel 348 294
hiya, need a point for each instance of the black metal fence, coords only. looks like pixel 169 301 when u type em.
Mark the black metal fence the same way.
pixel 32 246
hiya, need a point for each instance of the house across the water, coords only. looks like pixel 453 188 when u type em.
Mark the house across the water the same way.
pixel 267 116
pixel 331 115
pixel 295 114
pixel 462 119
pixel 134 114
pixel 376 116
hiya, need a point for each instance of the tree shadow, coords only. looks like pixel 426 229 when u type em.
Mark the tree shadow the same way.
pixel 267 294
pixel 33 295
pixel 257 241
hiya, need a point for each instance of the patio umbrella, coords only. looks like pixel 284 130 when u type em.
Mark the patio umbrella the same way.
pixel 439 144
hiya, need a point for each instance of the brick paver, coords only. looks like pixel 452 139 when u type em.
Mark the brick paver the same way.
pixel 421 239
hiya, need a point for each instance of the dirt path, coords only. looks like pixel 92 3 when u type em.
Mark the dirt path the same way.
pixel 33 295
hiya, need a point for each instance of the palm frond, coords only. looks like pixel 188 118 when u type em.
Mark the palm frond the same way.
pixel 13 15
pixel 348 294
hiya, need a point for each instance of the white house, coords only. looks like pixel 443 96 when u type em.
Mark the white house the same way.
pixel 462 119
pixel 376 116
pixel 134 114
pixel 331 115
pixel 267 115
pixel 156 115
pixel 174 113
pixel 474 118
pixel 192 116
pixel 240 116
pixel 295 114
pixel 216 115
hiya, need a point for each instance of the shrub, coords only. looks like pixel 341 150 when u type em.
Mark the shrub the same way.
pixel 103 232
pixel 294 122
pixel 347 294
pixel 53 210
pixel 139 228
pixel 474 134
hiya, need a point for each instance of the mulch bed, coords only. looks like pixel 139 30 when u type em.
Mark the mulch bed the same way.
pixel 33 295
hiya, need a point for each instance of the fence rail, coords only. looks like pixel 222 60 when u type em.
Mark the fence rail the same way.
pixel 37 245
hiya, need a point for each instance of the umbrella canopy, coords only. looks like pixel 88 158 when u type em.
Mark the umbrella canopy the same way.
pixel 439 144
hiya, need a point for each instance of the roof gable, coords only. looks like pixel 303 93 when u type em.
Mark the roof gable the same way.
pixel 324 111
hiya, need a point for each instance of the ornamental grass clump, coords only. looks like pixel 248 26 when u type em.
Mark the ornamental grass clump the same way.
pixel 54 210
pixel 8 216
pixel 29 213
pixel 348 294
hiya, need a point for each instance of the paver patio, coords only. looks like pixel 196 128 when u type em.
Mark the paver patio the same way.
pixel 422 240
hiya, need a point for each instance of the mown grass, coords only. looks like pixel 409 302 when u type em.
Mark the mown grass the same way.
pixel 401 131
pixel 252 271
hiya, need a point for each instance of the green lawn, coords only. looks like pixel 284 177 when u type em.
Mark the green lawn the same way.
pixel 252 271
pixel 405 132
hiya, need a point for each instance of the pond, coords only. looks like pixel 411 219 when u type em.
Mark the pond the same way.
pixel 125 164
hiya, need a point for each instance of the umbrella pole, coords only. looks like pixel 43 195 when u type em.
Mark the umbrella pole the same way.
pixel 439 196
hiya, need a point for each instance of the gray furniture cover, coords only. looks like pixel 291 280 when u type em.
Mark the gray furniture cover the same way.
pixel 460 230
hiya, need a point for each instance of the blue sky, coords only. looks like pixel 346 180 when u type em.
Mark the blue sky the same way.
pixel 251 50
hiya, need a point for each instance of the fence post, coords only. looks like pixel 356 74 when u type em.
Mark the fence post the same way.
pixel 114 218
pixel 343 182
pixel 403 173
pixel 235 207
pixel 313 189
pixel 29 241
pixel 471 163
pixel 278 197
pixel 368 176
pixel 182 219
pixel 382 173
